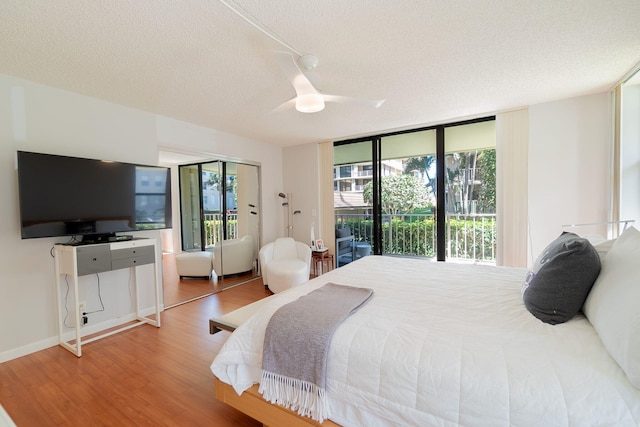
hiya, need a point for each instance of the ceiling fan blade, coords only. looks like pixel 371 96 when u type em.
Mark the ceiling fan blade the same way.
pixel 290 104
pixel 300 82
pixel 375 103
pixel 308 99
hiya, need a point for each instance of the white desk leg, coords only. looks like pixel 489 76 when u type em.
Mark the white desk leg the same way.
pixel 134 273
pixel 77 347
pixel 76 311
pixel 59 299
pixel 157 294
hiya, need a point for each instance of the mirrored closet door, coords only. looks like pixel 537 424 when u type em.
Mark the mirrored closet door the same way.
pixel 219 217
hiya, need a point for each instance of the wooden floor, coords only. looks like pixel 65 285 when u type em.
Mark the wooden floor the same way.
pixel 141 377
pixel 177 291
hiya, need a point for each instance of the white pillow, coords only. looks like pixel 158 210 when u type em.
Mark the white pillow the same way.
pixel 613 305
pixel 594 239
pixel 603 248
pixel 602 245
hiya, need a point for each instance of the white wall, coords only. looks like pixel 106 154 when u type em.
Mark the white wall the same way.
pixel 35 117
pixel 301 180
pixel 570 144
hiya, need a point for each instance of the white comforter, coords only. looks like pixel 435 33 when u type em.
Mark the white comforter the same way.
pixel 445 345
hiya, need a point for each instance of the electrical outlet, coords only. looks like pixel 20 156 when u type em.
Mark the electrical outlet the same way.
pixel 83 306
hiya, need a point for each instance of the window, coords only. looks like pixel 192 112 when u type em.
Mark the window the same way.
pixel 428 192
pixel 629 194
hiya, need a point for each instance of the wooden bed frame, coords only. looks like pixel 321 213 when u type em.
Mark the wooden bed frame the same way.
pixel 252 404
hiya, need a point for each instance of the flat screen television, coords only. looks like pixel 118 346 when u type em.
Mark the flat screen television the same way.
pixel 88 198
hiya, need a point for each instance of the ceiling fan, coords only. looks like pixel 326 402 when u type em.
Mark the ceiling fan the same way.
pixel 309 99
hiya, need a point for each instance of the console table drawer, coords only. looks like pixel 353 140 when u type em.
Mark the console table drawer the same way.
pixel 93 259
pixel 133 252
pixel 117 264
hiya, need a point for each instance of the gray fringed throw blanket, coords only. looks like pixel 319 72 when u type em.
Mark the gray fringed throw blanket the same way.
pixel 296 345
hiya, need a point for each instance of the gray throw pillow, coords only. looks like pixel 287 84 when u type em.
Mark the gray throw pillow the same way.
pixel 556 288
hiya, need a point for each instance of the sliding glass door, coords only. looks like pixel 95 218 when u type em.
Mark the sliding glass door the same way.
pixel 470 191
pixel 408 193
pixel 353 202
pixel 428 192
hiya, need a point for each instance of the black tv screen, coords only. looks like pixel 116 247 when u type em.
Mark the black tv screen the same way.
pixel 71 196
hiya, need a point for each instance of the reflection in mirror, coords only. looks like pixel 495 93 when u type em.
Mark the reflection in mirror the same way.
pixel 235 254
pixel 220 224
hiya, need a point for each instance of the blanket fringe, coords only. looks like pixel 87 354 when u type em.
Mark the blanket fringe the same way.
pixel 306 398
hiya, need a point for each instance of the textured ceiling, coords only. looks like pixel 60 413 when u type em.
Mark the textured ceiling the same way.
pixel 432 60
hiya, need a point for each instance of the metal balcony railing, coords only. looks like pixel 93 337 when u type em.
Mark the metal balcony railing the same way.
pixel 213 226
pixel 468 237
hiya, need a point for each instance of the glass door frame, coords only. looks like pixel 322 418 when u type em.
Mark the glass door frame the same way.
pixel 193 216
pixel 440 211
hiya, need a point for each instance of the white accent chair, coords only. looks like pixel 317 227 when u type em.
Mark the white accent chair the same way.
pixel 285 263
pixel 233 256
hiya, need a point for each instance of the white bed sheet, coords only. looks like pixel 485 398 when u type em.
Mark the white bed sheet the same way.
pixel 445 345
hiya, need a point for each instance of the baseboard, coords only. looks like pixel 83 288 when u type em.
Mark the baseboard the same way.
pixel 87 330
pixel 14 353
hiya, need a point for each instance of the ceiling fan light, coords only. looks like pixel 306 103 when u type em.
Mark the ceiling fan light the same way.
pixel 310 103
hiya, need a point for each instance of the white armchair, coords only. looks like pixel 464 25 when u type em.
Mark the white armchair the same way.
pixel 285 263
pixel 233 256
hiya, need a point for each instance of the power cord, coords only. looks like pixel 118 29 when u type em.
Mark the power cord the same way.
pixel 99 298
pixel 66 300
pixel 85 313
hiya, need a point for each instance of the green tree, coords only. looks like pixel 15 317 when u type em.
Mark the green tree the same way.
pixel 213 180
pixel 487 176
pixel 422 165
pixel 465 170
pixel 400 194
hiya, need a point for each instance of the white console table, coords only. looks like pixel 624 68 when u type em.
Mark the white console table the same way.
pixel 80 260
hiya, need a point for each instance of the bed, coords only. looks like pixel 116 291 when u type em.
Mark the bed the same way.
pixel 443 344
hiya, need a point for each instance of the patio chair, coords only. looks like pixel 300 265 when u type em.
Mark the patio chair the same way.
pixel 345 247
